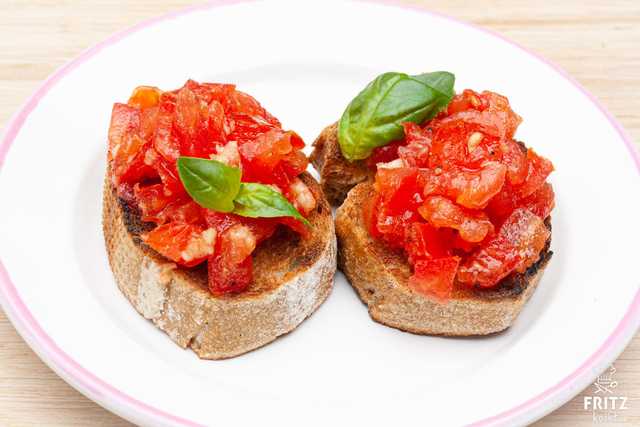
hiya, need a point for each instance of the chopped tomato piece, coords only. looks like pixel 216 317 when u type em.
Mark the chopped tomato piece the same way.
pixel 399 188
pixel 434 278
pixel 385 154
pixel 165 141
pixel 516 246
pixel 541 202
pixel 472 189
pixel 265 152
pixel 237 243
pixel 442 212
pixel 184 211
pixel 125 121
pixel 148 123
pixel 126 147
pixel 423 241
pixel 515 158
pixel 185 244
pixel 467 100
pixel 187 113
pixel 262 228
pixel 151 201
pixel 145 97
pixel 416 152
pixel 230 269
pixel 225 278
pixel 295 163
pixel 495 117
pixel 537 173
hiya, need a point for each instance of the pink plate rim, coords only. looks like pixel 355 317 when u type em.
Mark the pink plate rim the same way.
pixel 125 405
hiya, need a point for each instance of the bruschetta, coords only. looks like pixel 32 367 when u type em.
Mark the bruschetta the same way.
pixel 214 230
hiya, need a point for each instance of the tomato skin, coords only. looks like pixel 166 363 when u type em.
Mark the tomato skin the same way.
pixel 448 193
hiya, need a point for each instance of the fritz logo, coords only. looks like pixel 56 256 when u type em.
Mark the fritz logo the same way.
pixel 605 404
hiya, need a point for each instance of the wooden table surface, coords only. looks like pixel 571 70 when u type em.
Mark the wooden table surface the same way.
pixel 596 42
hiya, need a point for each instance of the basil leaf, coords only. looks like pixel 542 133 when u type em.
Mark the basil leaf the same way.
pixel 375 116
pixel 210 183
pixel 442 82
pixel 258 200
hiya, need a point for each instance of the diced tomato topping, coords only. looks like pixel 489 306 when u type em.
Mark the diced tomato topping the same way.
pixel 464 200
pixel 207 120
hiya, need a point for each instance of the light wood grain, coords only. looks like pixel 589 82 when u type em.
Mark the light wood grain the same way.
pixel 595 41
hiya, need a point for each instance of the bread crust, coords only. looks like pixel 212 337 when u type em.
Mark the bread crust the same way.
pixel 292 278
pixel 337 174
pixel 379 276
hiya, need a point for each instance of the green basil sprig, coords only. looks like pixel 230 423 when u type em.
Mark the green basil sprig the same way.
pixel 258 200
pixel 216 186
pixel 374 117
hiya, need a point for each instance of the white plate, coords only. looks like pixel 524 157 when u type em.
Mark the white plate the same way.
pixel 304 62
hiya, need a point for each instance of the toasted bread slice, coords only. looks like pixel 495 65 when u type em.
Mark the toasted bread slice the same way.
pixel 380 277
pixel 337 174
pixel 292 277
